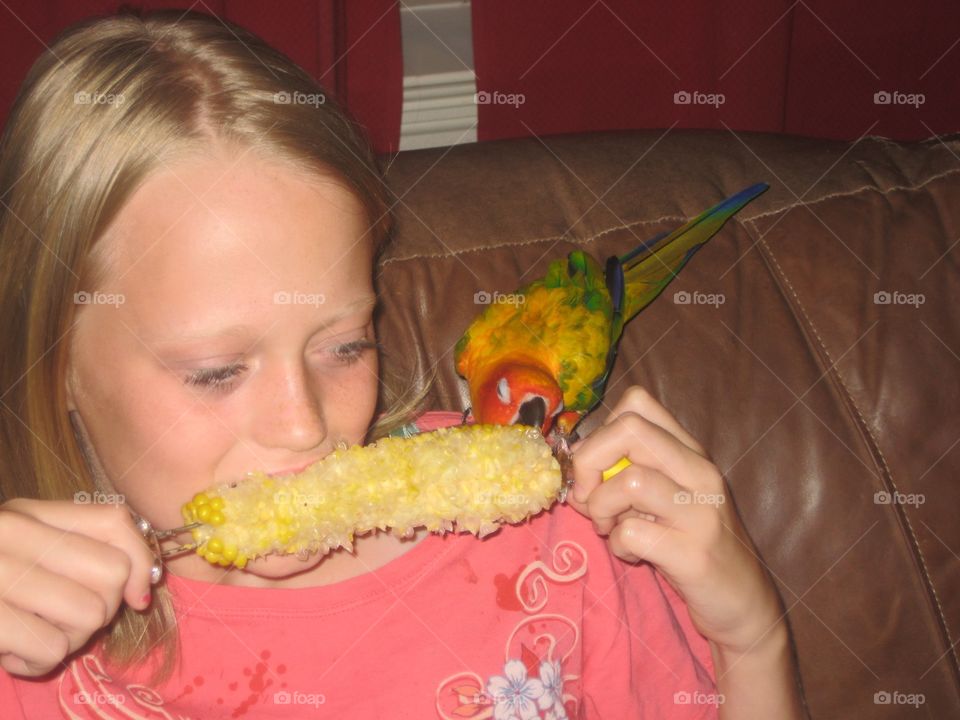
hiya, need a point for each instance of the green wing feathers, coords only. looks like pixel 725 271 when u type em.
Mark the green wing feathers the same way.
pixel 650 267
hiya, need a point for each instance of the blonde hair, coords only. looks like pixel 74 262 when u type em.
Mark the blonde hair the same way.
pixel 111 101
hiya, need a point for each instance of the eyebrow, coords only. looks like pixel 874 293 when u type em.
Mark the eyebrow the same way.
pixel 350 308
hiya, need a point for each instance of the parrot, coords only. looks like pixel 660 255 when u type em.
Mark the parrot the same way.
pixel 542 355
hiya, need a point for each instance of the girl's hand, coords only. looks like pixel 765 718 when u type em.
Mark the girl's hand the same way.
pixel 64 568
pixel 671 508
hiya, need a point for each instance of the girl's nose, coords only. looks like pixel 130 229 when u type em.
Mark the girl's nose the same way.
pixel 291 414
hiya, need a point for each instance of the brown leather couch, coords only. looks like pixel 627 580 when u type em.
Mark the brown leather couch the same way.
pixel 831 410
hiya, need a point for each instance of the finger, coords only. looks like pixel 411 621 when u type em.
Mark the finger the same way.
pixel 636 540
pixel 643 443
pixel 583 509
pixel 640 489
pixel 639 400
pixel 93 564
pixel 109 524
pixel 36 644
pixel 13 664
pixel 76 610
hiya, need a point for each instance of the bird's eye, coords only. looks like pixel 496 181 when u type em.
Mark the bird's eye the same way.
pixel 503 391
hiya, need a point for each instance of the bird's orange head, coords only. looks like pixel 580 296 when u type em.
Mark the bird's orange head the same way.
pixel 517 393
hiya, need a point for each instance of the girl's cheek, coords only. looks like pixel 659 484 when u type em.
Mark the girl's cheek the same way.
pixel 171 451
pixel 360 380
pixel 357 402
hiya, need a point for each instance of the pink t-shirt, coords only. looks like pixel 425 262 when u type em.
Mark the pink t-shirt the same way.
pixel 538 620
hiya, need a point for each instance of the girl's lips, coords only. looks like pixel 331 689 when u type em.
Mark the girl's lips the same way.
pixel 293 471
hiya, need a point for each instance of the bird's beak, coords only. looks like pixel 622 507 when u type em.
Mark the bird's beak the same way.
pixel 532 412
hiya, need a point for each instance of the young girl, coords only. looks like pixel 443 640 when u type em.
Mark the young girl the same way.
pixel 187 242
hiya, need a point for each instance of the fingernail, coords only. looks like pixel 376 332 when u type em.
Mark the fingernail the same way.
pixel 145 600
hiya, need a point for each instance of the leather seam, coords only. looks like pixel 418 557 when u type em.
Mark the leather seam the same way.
pixel 625 226
pixel 865 427
pixel 531 241
pixel 849 193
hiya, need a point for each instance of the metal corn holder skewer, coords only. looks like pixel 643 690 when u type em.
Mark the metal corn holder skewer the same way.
pixel 154 538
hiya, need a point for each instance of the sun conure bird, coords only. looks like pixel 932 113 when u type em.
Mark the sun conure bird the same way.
pixel 543 356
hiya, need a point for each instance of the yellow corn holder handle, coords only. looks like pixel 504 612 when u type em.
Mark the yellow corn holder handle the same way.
pixel 615 468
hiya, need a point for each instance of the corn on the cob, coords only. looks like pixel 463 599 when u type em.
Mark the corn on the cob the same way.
pixel 464 478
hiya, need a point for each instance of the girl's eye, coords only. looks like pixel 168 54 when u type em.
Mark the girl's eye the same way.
pixel 217 378
pixel 221 378
pixel 350 352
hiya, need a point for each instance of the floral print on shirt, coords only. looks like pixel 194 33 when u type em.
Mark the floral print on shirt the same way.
pixel 537 678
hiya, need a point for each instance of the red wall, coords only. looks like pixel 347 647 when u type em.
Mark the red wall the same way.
pixel 810 67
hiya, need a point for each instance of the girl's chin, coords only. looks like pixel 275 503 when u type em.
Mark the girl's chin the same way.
pixel 269 568
pixel 275 567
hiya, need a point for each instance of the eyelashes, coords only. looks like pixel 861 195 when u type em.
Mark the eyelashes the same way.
pixel 215 377
pixel 350 352
pixel 222 378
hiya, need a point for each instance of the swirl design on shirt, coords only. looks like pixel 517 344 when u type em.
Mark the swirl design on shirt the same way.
pixel 530 682
pixel 86 690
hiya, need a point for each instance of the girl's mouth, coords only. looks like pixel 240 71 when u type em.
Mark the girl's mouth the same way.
pixel 293 470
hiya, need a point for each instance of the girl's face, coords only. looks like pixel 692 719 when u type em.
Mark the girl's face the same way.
pixel 233 333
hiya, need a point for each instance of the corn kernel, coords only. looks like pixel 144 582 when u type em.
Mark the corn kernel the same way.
pixel 468 478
